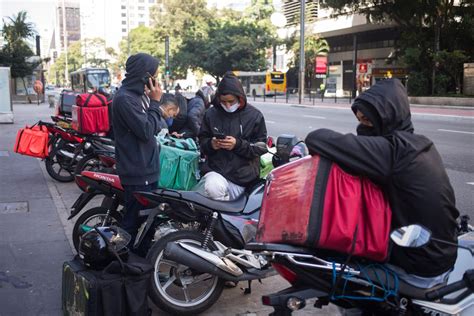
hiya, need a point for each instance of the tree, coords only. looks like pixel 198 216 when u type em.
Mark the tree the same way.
pixel 313 46
pixel 226 47
pixel 142 40
pixel 426 26
pixel 16 53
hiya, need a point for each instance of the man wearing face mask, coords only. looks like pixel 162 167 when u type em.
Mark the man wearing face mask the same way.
pixel 409 168
pixel 138 115
pixel 228 133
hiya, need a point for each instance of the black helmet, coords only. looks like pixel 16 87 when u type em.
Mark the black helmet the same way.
pixel 96 252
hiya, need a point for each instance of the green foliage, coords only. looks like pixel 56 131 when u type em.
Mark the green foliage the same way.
pixel 450 64
pixel 418 83
pixel 427 29
pixel 16 53
pixel 142 40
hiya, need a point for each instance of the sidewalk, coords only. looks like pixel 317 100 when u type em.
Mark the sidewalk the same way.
pixel 33 245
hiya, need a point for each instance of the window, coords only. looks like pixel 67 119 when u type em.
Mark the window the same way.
pixel 124 22
pixel 123 7
pixel 124 30
pixel 141 16
pixel 141 1
pixel 151 1
pixel 124 15
pixel 141 8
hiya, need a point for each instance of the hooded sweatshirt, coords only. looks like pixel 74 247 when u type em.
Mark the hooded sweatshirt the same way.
pixel 407 166
pixel 240 165
pixel 136 120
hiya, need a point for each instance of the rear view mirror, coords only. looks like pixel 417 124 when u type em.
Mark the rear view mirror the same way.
pixel 412 236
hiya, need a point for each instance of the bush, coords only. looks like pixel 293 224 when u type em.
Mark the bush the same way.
pixel 443 84
pixel 418 84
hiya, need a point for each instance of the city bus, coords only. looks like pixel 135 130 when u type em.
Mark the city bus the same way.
pixel 87 80
pixel 255 82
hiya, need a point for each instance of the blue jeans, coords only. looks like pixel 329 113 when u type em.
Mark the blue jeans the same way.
pixel 131 221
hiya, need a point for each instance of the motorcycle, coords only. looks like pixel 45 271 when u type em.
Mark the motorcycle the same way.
pixel 93 184
pixel 95 146
pixel 64 150
pixel 371 288
pixel 192 265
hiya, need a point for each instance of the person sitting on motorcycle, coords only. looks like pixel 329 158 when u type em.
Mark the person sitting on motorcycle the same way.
pixel 228 132
pixel 408 167
pixel 196 108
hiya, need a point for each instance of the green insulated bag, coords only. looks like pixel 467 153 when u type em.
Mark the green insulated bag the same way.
pixel 179 160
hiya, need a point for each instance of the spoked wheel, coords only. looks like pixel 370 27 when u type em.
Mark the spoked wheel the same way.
pixel 176 288
pixel 95 217
pixel 58 166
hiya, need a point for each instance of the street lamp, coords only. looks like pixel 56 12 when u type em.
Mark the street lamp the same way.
pixel 302 63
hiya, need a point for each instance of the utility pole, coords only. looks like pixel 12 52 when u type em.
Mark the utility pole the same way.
pixel 302 61
pixel 66 73
pixel 128 28
pixel 354 68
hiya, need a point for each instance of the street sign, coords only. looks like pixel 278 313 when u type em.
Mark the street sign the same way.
pixel 331 85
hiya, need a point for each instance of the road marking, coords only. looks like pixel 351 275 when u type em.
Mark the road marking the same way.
pixel 443 115
pixel 314 116
pixel 270 122
pixel 452 131
pixel 471 183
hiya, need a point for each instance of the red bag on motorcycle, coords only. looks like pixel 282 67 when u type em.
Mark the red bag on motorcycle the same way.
pixel 90 115
pixel 32 141
pixel 312 202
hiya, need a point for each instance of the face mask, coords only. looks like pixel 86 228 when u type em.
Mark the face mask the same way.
pixel 364 130
pixel 169 121
pixel 232 109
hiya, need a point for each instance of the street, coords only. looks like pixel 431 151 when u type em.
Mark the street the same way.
pixel 451 130
pixel 35 243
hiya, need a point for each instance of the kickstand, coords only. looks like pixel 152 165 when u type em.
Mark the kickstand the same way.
pixel 248 290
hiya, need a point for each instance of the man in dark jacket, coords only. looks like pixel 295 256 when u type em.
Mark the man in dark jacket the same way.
pixel 228 133
pixel 138 116
pixel 196 108
pixel 410 169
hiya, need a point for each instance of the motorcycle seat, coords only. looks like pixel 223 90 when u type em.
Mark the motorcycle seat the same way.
pixel 258 247
pixel 404 288
pixel 234 206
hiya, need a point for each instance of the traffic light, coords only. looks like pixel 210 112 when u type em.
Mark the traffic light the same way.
pixel 167 72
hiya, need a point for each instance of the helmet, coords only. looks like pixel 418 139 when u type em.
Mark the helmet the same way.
pixel 97 252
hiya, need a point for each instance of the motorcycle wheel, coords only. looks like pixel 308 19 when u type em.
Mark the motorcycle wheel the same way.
pixel 95 217
pixel 167 283
pixel 57 165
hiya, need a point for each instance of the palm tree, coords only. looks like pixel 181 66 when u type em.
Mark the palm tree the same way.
pixel 18 28
pixel 16 50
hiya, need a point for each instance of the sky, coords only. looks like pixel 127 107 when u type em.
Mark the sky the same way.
pixel 40 12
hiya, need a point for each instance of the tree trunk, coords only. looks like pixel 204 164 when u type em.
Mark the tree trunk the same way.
pixel 26 90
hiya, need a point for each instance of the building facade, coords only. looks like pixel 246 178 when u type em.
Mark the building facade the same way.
pixel 361 53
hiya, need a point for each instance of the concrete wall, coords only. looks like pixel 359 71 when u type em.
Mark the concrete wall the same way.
pixel 442 101
pixel 468 82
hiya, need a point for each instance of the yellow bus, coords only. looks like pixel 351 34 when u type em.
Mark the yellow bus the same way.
pixel 256 82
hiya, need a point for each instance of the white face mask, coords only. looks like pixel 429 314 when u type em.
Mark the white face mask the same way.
pixel 232 108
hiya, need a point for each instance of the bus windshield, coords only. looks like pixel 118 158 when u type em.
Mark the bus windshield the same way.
pixel 97 79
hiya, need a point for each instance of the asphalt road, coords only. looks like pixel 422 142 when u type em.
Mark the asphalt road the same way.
pixel 451 130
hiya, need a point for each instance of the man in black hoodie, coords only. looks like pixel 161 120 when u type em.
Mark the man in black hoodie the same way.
pixel 228 133
pixel 410 169
pixel 138 116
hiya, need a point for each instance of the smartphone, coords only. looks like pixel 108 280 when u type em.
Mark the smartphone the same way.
pixel 219 135
pixel 146 80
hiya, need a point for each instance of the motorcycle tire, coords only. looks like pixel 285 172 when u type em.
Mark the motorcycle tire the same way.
pixel 94 213
pixel 158 292
pixel 53 159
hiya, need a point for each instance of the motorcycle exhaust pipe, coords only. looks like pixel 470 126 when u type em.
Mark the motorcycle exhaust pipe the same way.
pixel 189 257
pixel 69 154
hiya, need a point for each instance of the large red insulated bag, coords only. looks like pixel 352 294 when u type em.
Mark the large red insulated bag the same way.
pixel 90 114
pixel 312 202
pixel 32 141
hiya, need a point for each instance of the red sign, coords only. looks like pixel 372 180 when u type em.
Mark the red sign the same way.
pixel 321 65
pixel 362 68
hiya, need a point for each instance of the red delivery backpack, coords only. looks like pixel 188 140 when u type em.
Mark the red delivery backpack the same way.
pixel 32 141
pixel 90 115
pixel 312 202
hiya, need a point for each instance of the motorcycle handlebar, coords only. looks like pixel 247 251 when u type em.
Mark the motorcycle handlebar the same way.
pixel 448 289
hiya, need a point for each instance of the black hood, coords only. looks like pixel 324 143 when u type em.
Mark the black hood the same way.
pixel 230 84
pixel 386 105
pixel 136 68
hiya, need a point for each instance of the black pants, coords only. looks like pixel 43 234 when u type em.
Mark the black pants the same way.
pixel 131 221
